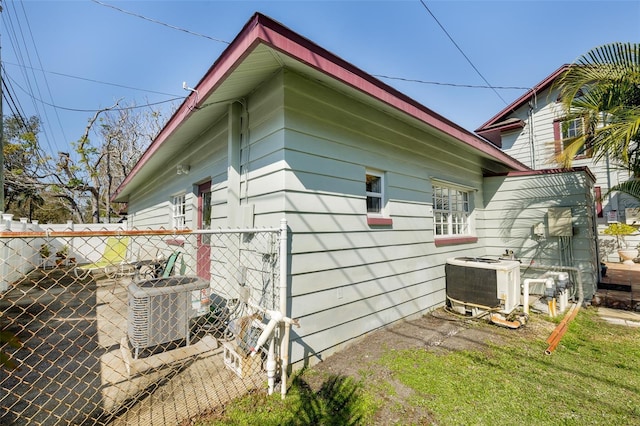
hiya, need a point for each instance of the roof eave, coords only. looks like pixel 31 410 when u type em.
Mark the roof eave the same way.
pixel 538 88
pixel 261 29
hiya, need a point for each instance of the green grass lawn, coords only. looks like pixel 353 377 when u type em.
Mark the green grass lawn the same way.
pixel 592 378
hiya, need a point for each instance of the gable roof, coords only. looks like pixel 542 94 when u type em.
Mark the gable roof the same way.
pixel 496 122
pixel 261 49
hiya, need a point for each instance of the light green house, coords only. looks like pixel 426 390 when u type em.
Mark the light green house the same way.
pixel 378 191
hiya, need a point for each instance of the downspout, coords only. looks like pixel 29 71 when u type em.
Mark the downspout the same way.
pixel 532 145
pixel 282 291
pixel 234 166
pixel 245 146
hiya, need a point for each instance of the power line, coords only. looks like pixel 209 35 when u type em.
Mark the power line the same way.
pixel 14 38
pixel 93 80
pixel 13 105
pixel 92 110
pixel 437 83
pixel 46 82
pixel 13 102
pixel 155 21
pixel 16 111
pixel 460 50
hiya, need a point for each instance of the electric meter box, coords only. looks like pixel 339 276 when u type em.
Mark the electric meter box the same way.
pixel 560 222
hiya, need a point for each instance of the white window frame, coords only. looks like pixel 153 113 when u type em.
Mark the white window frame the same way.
pixel 451 210
pixel 375 194
pixel 570 129
pixel 179 211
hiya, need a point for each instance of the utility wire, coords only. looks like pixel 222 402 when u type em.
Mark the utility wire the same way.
pixel 46 123
pixel 23 42
pixel 155 21
pixel 461 51
pixel 437 83
pixel 15 37
pixel 13 105
pixel 12 101
pixel 92 110
pixel 93 80
pixel 12 40
pixel 46 82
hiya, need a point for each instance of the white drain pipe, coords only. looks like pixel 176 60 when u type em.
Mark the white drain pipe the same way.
pixel 279 318
pixel 271 366
pixel 275 318
pixel 558 332
pixel 525 290
pixel 282 292
pixel 552 268
pixel 563 300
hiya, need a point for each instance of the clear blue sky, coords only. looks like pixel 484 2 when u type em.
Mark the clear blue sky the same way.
pixel 75 47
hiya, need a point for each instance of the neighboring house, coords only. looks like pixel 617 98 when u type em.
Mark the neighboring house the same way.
pixel 534 129
pixel 377 190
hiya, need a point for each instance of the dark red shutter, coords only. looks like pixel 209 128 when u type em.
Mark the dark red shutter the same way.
pixel 556 137
pixel 598 194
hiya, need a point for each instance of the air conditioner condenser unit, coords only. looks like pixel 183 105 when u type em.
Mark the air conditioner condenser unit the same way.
pixel 479 284
pixel 160 310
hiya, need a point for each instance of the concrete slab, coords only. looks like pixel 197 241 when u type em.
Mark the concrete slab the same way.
pixel 620 317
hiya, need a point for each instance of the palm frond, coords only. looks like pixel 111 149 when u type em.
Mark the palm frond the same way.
pixel 603 87
pixel 630 187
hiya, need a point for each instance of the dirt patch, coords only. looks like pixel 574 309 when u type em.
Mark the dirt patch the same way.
pixel 438 331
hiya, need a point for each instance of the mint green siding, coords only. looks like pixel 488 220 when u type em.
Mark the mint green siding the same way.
pixel 515 204
pixel 294 148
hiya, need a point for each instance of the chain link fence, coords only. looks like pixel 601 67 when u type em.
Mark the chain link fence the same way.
pixel 137 327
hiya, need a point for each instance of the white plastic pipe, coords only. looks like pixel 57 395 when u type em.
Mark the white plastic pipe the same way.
pixel 525 290
pixel 282 290
pixel 276 317
pixel 271 366
pixel 564 268
pixel 563 300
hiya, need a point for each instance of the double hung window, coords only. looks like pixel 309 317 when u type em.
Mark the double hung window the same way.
pixel 567 131
pixel 179 211
pixel 375 193
pixel 450 211
pixel 377 213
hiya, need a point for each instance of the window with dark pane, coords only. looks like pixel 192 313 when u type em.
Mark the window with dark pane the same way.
pixel 374 193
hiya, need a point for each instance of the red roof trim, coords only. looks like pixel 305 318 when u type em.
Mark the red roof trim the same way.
pixel 261 29
pixel 222 67
pixel 504 127
pixel 544 84
pixel 288 42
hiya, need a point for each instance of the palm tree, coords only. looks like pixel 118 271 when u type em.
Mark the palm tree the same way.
pixel 603 87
